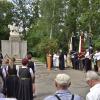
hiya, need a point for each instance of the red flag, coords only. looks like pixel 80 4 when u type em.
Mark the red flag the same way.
pixel 81 43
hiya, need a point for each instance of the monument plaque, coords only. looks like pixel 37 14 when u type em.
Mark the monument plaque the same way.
pixel 15 46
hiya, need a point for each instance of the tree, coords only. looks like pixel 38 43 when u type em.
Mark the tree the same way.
pixel 72 15
pixel 47 45
pixel 25 13
pixel 59 18
pixel 5 19
pixel 89 19
pixel 52 20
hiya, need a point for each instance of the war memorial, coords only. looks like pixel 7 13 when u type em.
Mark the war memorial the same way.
pixel 15 46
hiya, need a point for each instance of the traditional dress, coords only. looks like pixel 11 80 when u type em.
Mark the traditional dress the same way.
pixel 55 60
pixel 25 83
pixel 12 82
pixel 32 65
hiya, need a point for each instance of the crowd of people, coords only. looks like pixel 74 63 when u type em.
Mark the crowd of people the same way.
pixel 63 82
pixel 86 60
pixel 18 81
pixel 57 60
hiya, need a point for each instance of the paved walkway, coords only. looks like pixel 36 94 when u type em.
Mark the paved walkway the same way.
pixel 45 82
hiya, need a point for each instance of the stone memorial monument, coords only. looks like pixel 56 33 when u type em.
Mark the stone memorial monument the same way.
pixel 15 46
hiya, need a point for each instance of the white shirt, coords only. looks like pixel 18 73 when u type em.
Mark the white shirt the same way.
pixel 87 55
pixel 97 55
pixel 4 70
pixel 94 93
pixel 56 60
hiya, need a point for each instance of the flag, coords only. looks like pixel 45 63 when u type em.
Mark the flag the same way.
pixel 70 45
pixel 81 43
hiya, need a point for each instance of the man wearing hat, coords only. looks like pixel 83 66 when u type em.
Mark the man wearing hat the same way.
pixel 62 83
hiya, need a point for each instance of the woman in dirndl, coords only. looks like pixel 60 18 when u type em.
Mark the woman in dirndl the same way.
pixel 12 79
pixel 25 81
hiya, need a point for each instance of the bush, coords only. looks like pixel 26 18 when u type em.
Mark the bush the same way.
pixel 97 42
pixel 46 45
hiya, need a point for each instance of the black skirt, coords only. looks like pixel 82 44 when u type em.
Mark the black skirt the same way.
pixel 25 89
pixel 25 85
pixel 12 86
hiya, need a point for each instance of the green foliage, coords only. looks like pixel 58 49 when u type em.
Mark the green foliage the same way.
pixel 59 18
pixel 53 22
pixel 46 45
pixel 5 19
pixel 25 13
pixel 89 20
pixel 96 42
